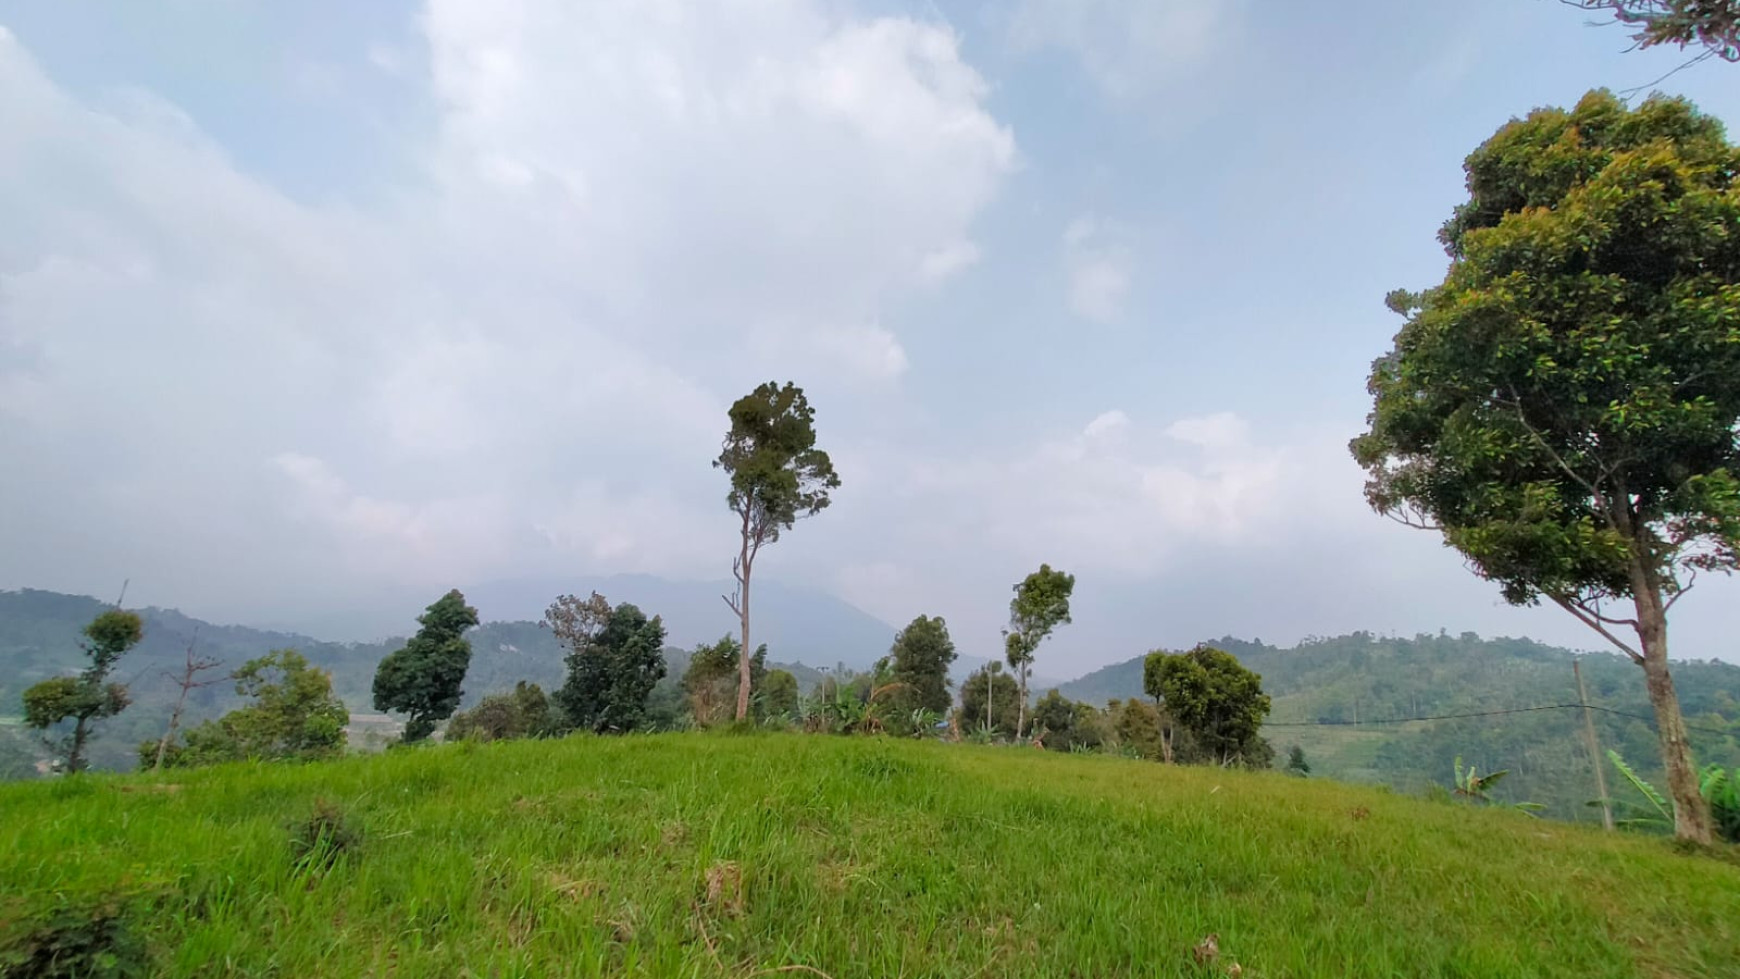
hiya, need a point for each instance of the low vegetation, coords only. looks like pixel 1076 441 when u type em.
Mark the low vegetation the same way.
pixel 716 855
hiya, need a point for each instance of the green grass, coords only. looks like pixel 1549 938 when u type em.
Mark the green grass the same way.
pixel 858 858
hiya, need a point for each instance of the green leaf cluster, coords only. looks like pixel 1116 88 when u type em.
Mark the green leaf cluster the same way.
pixel 87 697
pixel 425 678
pixel 1564 405
pixel 294 716
pixel 1210 694
pixel 611 674
pixel 777 473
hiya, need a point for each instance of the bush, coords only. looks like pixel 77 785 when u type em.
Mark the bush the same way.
pixel 317 843
pixel 73 939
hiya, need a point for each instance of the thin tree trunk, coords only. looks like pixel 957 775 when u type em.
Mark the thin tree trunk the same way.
pixel 743 654
pixel 1021 708
pixel 174 720
pixel 989 687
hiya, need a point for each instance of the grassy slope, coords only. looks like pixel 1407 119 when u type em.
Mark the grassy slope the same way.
pixel 861 858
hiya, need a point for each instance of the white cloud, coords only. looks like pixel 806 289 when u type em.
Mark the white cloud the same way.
pixel 951 258
pixel 1107 425
pixel 1098 264
pixel 1222 430
pixel 1129 48
pixel 628 206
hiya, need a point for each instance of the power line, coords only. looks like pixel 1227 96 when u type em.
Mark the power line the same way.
pixel 1488 713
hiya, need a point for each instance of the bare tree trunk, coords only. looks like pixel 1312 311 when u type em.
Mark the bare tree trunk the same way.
pixel 989 688
pixel 1691 811
pixel 743 653
pixel 1021 708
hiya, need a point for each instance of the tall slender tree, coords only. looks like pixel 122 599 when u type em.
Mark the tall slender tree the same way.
pixel 1041 604
pixel 777 476
pixel 425 679
pixel 1563 407
pixel 88 697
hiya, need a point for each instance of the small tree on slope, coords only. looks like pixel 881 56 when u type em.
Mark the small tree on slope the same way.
pixel 88 697
pixel 1563 407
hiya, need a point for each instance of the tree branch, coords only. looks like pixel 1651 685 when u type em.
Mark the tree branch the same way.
pixel 1594 612
pixel 1595 624
pixel 1407 520
pixel 1541 440
pixel 1680 590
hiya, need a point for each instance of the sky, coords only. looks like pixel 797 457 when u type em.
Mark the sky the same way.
pixel 311 311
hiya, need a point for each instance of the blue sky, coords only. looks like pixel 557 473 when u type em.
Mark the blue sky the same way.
pixel 326 306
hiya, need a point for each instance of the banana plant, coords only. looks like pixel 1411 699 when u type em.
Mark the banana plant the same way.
pixel 1719 787
pixel 1477 788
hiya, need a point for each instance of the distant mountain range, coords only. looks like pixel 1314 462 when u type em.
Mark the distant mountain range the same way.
pixel 799 625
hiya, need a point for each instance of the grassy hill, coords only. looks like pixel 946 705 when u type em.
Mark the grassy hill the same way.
pixel 697 855
pixel 1333 696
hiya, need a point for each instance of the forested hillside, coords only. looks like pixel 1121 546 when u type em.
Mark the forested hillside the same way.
pixel 1340 698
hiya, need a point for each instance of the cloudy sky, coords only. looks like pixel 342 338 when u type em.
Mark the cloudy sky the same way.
pixel 316 309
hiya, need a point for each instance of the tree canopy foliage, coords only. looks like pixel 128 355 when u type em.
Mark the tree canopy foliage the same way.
pixel 1219 702
pixel 918 665
pixel 1002 691
pixel 426 678
pixel 611 671
pixel 777 476
pixel 712 681
pixel 524 712
pixel 1714 24
pixel 294 716
pixel 1563 406
pixel 88 697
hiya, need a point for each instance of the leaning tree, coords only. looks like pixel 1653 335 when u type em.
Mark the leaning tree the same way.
pixel 1563 407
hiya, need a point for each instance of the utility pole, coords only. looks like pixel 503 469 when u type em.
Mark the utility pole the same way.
pixel 1594 746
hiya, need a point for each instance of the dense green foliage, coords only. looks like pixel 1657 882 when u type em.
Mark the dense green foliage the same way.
pixel 293 716
pixel 1333 698
pixel 1062 724
pixel 426 678
pixel 691 855
pixel 918 665
pixel 525 712
pixel 1041 604
pixel 612 672
pixel 712 679
pixel 1563 406
pixel 1215 699
pixel 1003 697
pixel 779 693
pixel 777 476
pixel 88 697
